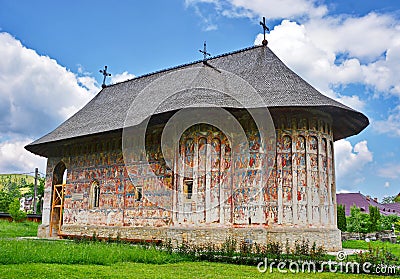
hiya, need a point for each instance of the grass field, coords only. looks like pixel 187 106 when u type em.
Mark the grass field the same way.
pixel 28 258
pixel 12 229
pixel 140 270
pixel 90 253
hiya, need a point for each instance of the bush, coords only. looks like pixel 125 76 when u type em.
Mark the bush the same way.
pixel 301 247
pixel 17 214
pixel 376 256
pixel 229 246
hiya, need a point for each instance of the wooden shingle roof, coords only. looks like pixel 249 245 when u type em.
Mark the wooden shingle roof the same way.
pixel 277 85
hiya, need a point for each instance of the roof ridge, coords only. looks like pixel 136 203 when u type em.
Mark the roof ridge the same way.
pixel 186 64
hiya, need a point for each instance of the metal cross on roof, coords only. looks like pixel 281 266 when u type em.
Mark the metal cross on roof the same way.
pixel 205 53
pixel 265 28
pixel 105 74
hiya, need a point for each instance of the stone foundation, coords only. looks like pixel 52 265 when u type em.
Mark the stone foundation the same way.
pixel 43 231
pixel 330 239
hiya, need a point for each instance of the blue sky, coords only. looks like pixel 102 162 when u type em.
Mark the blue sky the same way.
pixel 51 53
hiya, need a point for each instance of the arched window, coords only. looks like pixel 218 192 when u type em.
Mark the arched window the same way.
pixel 94 194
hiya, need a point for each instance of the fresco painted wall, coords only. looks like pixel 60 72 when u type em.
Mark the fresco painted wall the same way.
pixel 225 186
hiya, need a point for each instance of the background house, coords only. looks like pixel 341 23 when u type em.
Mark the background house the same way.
pixel 363 202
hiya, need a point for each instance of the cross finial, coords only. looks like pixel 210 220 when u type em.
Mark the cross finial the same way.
pixel 205 53
pixel 265 28
pixel 105 74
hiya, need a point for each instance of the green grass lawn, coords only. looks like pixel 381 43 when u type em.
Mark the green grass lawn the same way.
pixel 27 258
pixel 140 270
pixel 13 229
pixel 70 252
pixel 361 244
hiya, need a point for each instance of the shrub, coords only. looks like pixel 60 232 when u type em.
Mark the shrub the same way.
pixel 245 248
pixel 274 248
pixel 17 214
pixel 317 252
pixel 376 256
pixel 301 247
pixel 229 246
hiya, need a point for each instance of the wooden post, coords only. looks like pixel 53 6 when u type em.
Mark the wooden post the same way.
pixel 35 190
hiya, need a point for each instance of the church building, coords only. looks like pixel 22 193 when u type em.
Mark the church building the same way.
pixel 236 146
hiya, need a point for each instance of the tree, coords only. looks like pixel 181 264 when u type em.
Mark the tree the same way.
pixel 354 220
pixel 12 188
pixel 397 225
pixel 15 212
pixel 357 221
pixel 397 198
pixel 374 217
pixel 5 200
pixel 386 222
pixel 341 217
pixel 388 199
pixel 365 223
pixel 9 192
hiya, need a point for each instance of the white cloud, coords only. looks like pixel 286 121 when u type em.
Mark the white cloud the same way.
pixel 353 101
pixel 350 161
pixel 383 74
pixel 15 158
pixel 193 2
pixel 390 171
pixel 366 37
pixel 391 125
pixel 326 50
pixel 343 191
pixel 89 83
pixel 273 9
pixel 293 43
pixel 209 10
pixel 121 77
pixel 36 95
pixel 207 18
pixel 387 184
pixel 335 51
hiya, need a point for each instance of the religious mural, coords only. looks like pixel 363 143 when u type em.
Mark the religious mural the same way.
pixel 217 183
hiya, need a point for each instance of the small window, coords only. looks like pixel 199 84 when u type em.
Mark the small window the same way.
pixel 188 189
pixel 94 194
pixel 138 193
